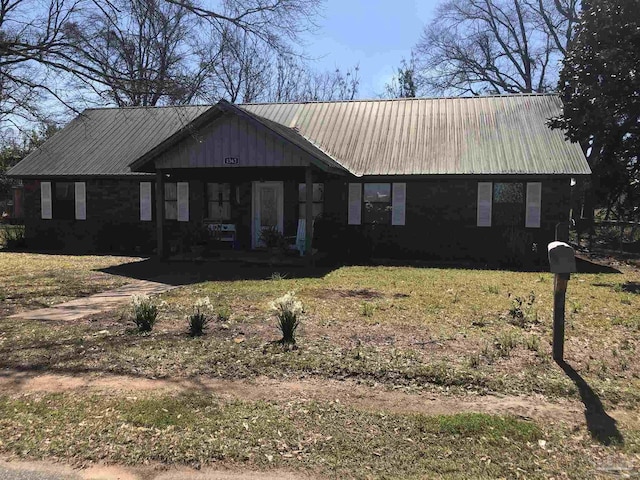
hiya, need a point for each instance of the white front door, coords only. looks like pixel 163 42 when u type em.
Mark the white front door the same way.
pixel 267 209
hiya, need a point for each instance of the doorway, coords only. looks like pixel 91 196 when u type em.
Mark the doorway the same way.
pixel 267 209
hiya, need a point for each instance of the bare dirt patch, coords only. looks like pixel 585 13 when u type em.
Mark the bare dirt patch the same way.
pixel 149 472
pixel 349 393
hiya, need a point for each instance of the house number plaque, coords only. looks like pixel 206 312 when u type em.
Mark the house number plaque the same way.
pixel 231 160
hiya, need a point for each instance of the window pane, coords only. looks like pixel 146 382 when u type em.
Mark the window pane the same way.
pixel 65 191
pixel 219 211
pixel 379 213
pixel 170 191
pixel 218 192
pixel 318 192
pixel 317 210
pixel 268 207
pixel 171 209
pixel 377 192
pixel 508 193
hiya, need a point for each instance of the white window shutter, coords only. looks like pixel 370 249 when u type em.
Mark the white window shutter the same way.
pixel 145 201
pixel 355 203
pixel 398 206
pixel 183 201
pixel 485 198
pixel 45 200
pixel 534 203
pixel 81 201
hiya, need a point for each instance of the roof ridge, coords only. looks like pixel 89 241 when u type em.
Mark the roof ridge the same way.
pixel 449 97
pixel 149 107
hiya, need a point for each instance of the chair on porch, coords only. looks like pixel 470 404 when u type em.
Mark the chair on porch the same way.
pixel 301 243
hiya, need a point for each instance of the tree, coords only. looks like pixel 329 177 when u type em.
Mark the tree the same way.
pixel 32 51
pixel 404 83
pixel 600 90
pixel 15 146
pixel 495 46
pixel 136 52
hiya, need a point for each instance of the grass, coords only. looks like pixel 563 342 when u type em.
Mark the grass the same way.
pixel 440 330
pixel 325 438
pixel 30 280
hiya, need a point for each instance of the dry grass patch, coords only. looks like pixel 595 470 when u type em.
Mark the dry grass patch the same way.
pixel 30 280
pixel 324 438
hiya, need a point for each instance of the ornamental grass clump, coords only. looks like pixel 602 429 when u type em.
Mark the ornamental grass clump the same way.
pixel 145 313
pixel 199 319
pixel 288 310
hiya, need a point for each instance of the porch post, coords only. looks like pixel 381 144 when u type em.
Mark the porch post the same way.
pixel 308 234
pixel 160 213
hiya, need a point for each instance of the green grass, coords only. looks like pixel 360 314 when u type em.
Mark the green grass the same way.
pixel 325 438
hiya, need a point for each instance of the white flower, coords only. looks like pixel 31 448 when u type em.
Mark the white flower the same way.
pixel 204 304
pixel 138 300
pixel 287 303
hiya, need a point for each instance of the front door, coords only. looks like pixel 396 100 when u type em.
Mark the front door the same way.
pixel 267 208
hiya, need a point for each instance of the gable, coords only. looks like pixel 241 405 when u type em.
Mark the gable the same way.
pixel 232 141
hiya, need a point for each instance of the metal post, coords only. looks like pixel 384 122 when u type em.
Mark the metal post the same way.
pixel 559 298
pixel 308 233
pixel 160 213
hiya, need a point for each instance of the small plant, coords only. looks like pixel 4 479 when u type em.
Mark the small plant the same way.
pixel 199 319
pixel 493 289
pixel 368 309
pixel 474 361
pixel 288 309
pixel 576 307
pixel 145 313
pixel 533 343
pixel 522 310
pixel 278 276
pixel 505 343
pixel 223 314
pixel 272 238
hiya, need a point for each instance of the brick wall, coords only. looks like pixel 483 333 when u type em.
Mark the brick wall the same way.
pixel 112 225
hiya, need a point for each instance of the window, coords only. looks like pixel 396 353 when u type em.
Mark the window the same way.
pixel 64 201
pixel 508 204
pixel 377 203
pixel 318 200
pixel 218 201
pixel 171 201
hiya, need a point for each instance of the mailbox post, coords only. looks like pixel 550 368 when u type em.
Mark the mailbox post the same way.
pixel 562 261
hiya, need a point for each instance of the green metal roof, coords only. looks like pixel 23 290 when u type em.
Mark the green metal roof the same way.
pixel 476 136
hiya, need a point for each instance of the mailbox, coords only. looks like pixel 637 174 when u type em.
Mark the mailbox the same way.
pixel 562 258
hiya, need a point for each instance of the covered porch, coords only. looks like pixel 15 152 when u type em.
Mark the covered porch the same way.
pixel 236 181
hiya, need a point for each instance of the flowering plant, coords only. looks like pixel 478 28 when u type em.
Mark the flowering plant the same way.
pixel 287 309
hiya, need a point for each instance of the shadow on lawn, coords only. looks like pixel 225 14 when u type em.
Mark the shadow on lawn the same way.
pixel 601 426
pixel 187 273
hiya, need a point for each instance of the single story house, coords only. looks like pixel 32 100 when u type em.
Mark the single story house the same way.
pixel 479 177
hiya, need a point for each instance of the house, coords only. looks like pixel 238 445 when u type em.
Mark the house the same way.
pixel 475 177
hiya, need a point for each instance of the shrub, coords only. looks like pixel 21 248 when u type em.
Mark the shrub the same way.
pixel 145 313
pixel 287 309
pixel 13 237
pixel 505 343
pixel 199 319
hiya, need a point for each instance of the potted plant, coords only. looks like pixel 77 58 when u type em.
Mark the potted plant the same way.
pixel 272 239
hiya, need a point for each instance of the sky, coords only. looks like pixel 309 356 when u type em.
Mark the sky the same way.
pixel 374 34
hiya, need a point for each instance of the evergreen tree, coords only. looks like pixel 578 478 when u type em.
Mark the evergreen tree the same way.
pixel 600 90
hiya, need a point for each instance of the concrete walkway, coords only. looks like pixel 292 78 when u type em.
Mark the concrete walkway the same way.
pixel 100 302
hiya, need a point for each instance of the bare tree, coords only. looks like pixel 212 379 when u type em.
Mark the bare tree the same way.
pixel 495 46
pixel 32 51
pixel 137 52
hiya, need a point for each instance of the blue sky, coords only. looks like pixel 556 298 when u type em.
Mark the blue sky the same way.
pixel 376 34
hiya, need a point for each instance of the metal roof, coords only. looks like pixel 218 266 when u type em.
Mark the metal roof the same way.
pixel 504 134
pixel 476 135
pixel 105 141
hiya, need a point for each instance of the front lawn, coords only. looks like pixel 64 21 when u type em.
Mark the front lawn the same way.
pixel 432 331
pixel 29 281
